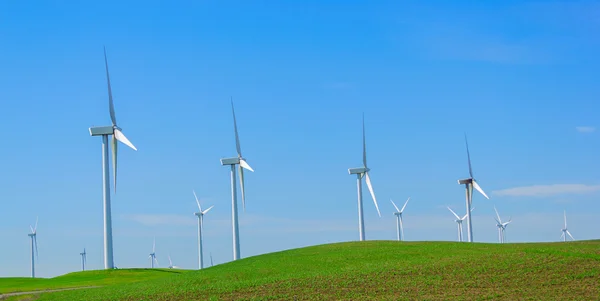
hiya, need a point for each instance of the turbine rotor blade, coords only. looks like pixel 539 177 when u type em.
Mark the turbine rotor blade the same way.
pixel 364 142
pixel 197 202
pixel 566 231
pixel 242 189
pixel 498 215
pixel 476 186
pixel 111 106
pixel 368 180
pixel 36 222
pixel 398 210
pixel 36 246
pixel 114 160
pixel 468 157
pixel 237 137
pixel 205 211
pixel 565 213
pixel 245 165
pixel 119 135
pixel 402 210
pixel 456 215
pixel 154 246
pixel 32 231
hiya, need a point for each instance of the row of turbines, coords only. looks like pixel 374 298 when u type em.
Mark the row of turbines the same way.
pixel 239 164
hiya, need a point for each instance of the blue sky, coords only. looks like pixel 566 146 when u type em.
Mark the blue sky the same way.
pixel 518 77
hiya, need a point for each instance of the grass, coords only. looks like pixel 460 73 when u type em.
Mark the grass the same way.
pixel 382 270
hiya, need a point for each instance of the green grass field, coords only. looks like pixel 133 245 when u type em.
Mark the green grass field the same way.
pixel 371 270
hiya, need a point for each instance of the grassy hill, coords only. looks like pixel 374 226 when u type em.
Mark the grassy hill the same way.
pixel 381 270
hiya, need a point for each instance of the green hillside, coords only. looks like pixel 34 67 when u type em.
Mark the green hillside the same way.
pixel 376 270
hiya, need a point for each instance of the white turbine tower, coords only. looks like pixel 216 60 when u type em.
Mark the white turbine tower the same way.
pixel 200 214
pixel 361 172
pixel 152 255
pixel 241 162
pixel 565 231
pixel 33 236
pixel 459 221
pixel 470 183
pixel 117 135
pixel 501 227
pixel 398 214
pixel 83 259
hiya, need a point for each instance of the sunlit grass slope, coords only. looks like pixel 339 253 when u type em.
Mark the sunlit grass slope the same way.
pixel 383 270
pixel 87 278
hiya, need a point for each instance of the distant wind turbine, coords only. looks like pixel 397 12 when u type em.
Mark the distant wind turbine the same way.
pixel 153 255
pixel 116 133
pixel 459 221
pixel 171 266
pixel 470 183
pixel 565 231
pixel 361 172
pixel 501 227
pixel 211 262
pixel 398 215
pixel 241 161
pixel 83 259
pixel 33 236
pixel 200 214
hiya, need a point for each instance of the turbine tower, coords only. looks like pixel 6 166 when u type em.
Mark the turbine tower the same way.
pixel 200 214
pixel 398 215
pixel 33 236
pixel 470 183
pixel 117 135
pixel 564 230
pixel 152 255
pixel 501 227
pixel 241 162
pixel 83 259
pixel 459 221
pixel 361 172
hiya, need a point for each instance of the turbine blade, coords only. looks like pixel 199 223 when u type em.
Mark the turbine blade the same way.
pixel 119 135
pixel 197 202
pixel 156 260
pixel 241 172
pixel 205 211
pixel 456 215
pixel 36 246
pixel 498 215
pixel 170 262
pixel 154 245
pixel 245 165
pixel 364 142
pixel 398 210
pixel 111 106
pixel 479 189
pixel 36 222
pixel 402 210
pixel 368 180
pixel 237 137
pixel 114 160
pixel 468 157
pixel 567 233
pixel 565 213
pixel 32 231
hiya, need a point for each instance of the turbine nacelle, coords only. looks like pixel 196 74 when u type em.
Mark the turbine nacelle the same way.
pixel 102 130
pixel 358 170
pixel 465 181
pixel 231 161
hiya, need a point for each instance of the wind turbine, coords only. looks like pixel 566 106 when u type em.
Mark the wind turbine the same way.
pixel 152 255
pixel 33 236
pixel 470 183
pixel 398 215
pixel 117 135
pixel 200 214
pixel 241 162
pixel 83 259
pixel 501 226
pixel 211 262
pixel 361 172
pixel 459 221
pixel 565 231
pixel 171 266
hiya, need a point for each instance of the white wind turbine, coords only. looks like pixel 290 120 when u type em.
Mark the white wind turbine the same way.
pixel 171 266
pixel 565 231
pixel 117 135
pixel 83 259
pixel 200 214
pixel 241 162
pixel 501 227
pixel 459 221
pixel 33 236
pixel 361 172
pixel 152 255
pixel 470 183
pixel 398 214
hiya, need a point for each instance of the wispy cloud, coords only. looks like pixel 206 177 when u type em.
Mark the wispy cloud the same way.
pixel 585 129
pixel 548 190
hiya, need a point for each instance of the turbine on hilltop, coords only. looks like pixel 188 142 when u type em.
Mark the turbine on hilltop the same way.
pixel 398 215
pixel 117 135
pixel 470 183
pixel 361 172
pixel 565 231
pixel 241 162
pixel 33 236
pixel 459 221
pixel 501 227
pixel 200 214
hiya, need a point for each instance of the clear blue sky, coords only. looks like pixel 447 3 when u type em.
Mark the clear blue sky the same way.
pixel 519 77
